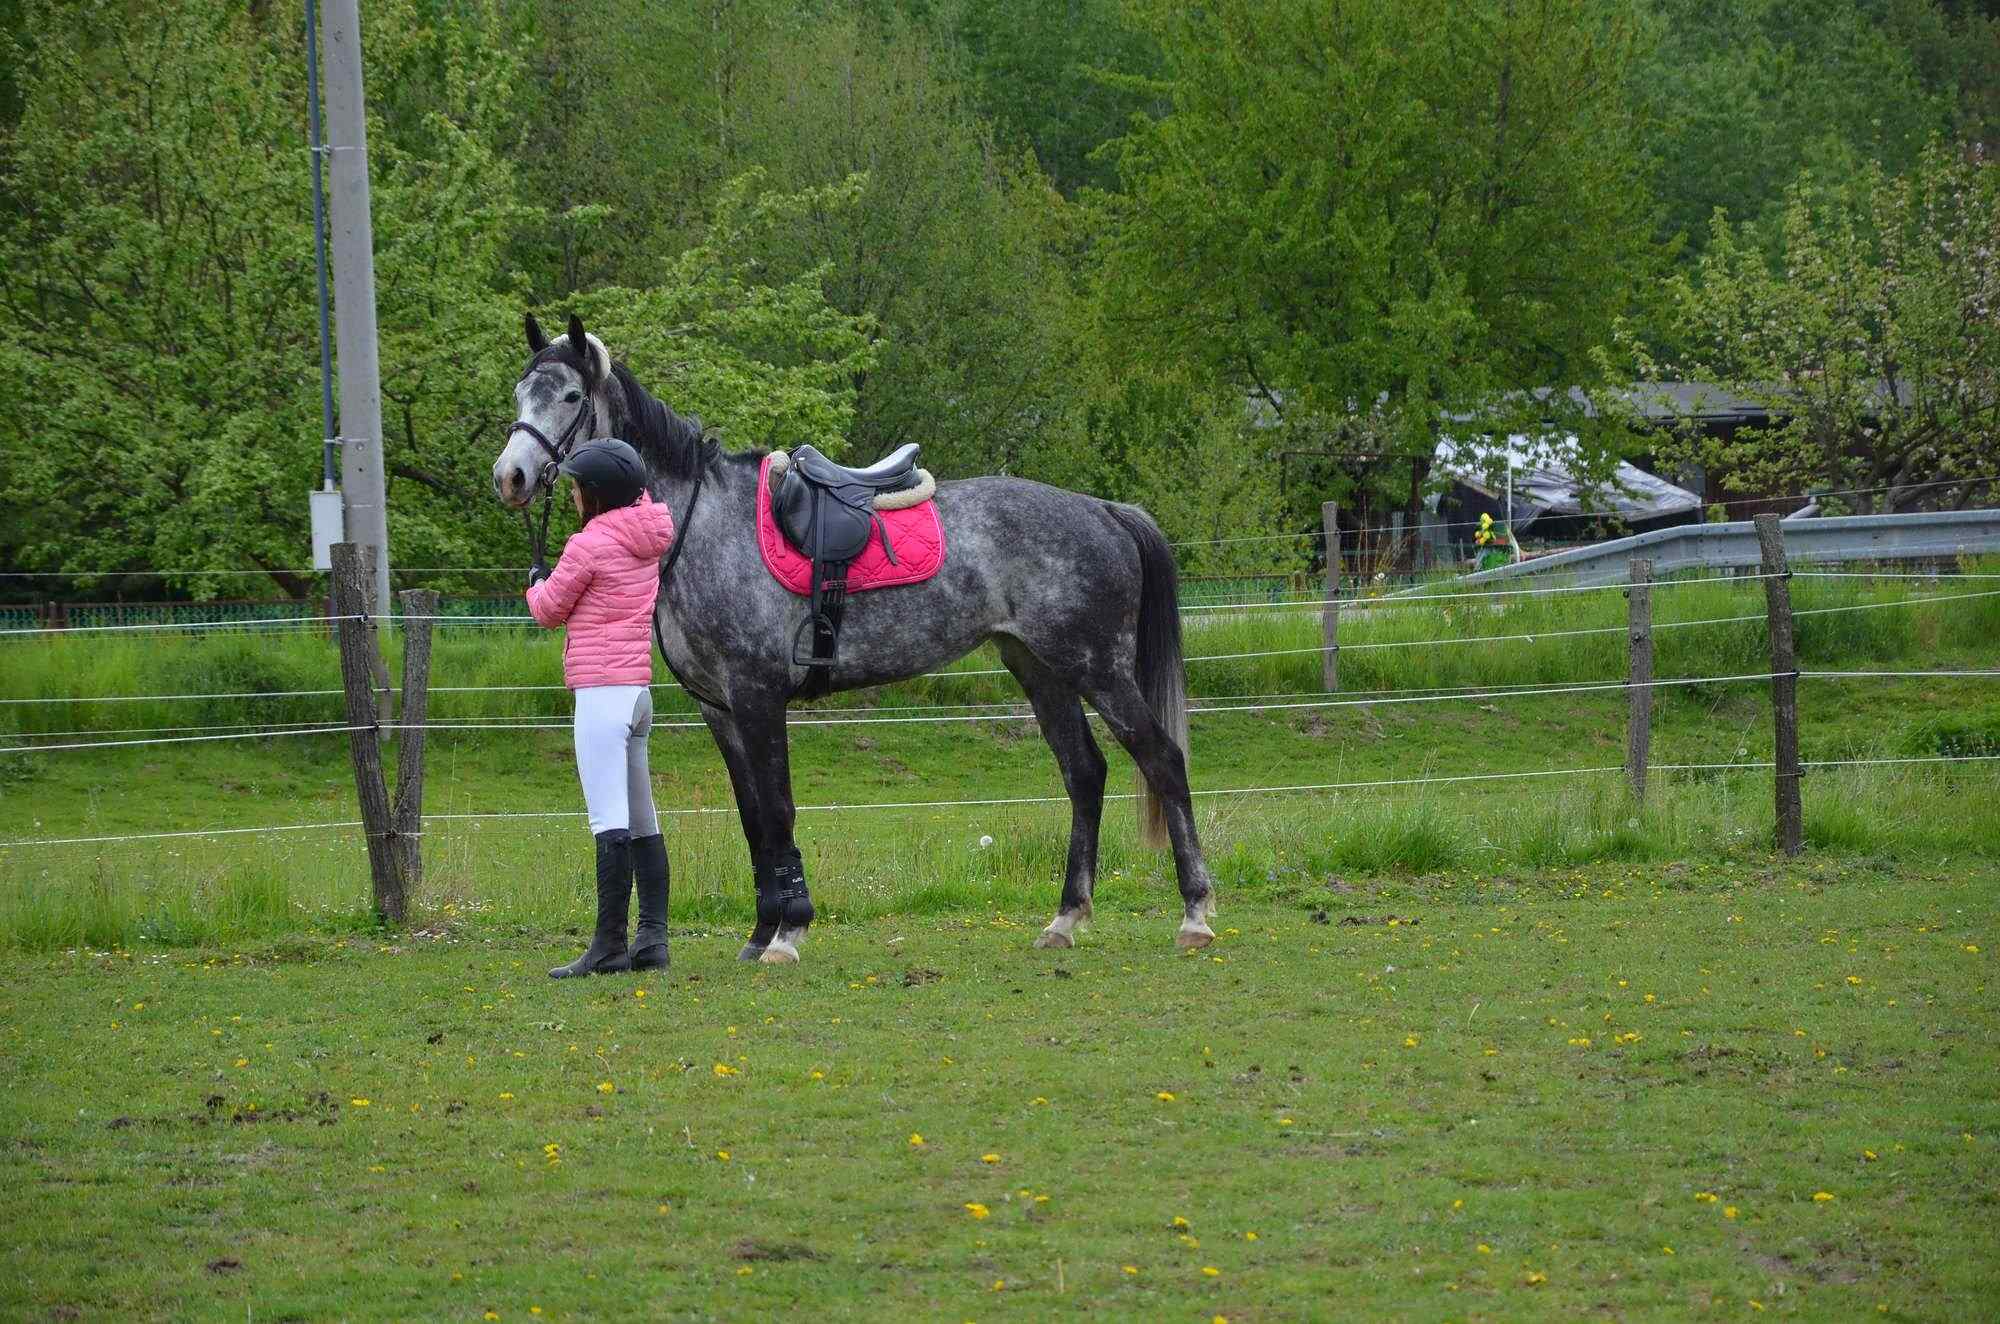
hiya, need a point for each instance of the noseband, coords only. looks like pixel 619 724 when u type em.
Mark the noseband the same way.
pixel 557 451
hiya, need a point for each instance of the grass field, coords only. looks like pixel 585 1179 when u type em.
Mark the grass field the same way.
pixel 235 1096
pixel 1637 1092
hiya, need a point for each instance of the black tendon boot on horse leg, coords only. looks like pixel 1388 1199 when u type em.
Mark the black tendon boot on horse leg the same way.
pixel 784 908
pixel 606 953
pixel 649 876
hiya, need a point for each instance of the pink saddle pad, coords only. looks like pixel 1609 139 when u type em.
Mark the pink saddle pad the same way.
pixel 916 534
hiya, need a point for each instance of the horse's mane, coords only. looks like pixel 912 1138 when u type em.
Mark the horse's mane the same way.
pixel 673 444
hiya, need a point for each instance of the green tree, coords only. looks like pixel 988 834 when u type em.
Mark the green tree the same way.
pixel 158 346
pixel 1874 341
pixel 1740 97
pixel 1035 71
pixel 952 250
pixel 1376 214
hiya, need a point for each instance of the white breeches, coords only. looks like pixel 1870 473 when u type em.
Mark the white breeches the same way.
pixel 612 723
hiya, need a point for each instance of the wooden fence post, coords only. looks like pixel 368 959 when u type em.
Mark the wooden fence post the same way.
pixel 419 605
pixel 1784 682
pixel 1639 682
pixel 1329 617
pixel 353 573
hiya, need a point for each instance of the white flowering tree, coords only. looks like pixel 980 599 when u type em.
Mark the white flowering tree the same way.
pixel 1874 342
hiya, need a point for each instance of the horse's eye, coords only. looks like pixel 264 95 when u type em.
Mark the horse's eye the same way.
pixel 573 396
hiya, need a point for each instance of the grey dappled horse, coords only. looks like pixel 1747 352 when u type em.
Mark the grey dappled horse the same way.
pixel 1079 595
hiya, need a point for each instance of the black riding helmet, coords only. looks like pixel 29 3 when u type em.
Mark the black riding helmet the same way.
pixel 609 468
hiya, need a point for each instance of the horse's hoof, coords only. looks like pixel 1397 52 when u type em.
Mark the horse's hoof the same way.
pixel 1193 936
pixel 1054 938
pixel 779 952
pixel 751 952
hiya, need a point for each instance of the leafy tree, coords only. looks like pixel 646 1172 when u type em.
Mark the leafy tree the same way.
pixel 952 249
pixel 157 331
pixel 1875 342
pixel 1034 70
pixel 1741 96
pixel 1379 212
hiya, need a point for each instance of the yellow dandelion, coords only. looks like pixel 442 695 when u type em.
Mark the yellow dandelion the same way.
pixel 818 1075
pixel 1285 1121
pixel 1822 1197
pixel 1165 1096
pixel 1535 1278
pixel 1180 1221
pixel 242 1061
pixel 1854 979
pixel 505 1096
pixel 1038 1102
pixel 1868 1154
pixel 1249 1236
pixel 720 1068
pixel 1666 1250
pixel 1129 1270
pixel 976 1209
pixel 1705 1197
pixel 999 1284
pixel 916 1140
pixel 744 1271
pixel 1458 1204
pixel 1189 1242
pixel 989 1158
pixel 1756 1305
pixel 1972 947
pixel 1484 1249
pixel 1409 1041
pixel 358 1103
pixel 1729 1211
pixel 664 1208
pixel 491 1314
pixel 605 1087
pixel 1210 1271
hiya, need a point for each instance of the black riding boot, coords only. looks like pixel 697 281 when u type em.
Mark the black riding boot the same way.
pixel 649 874
pixel 606 952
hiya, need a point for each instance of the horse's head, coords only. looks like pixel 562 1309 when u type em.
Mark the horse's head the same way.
pixel 558 403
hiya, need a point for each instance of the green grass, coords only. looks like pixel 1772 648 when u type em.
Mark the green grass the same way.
pixel 1377 1103
pixel 1405 1117
pixel 485 662
pixel 531 873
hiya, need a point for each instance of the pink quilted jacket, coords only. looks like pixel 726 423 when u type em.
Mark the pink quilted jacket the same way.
pixel 603 589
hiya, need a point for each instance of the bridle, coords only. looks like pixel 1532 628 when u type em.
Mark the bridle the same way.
pixel 558 451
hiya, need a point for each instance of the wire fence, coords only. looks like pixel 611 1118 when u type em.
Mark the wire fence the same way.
pixel 1012 711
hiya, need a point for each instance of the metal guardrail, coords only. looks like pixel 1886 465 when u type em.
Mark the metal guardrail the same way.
pixel 1925 536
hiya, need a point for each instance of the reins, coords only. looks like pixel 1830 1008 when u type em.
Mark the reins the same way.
pixel 708 453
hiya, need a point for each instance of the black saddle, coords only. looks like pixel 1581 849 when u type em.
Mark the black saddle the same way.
pixel 827 511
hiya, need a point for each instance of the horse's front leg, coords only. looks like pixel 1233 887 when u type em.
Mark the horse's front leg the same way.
pixel 754 747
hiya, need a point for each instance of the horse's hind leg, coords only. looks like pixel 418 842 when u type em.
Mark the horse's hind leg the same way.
pixel 1164 767
pixel 1060 712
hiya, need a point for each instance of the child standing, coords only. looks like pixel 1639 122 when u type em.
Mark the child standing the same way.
pixel 603 589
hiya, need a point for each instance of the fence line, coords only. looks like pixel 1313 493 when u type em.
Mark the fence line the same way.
pixel 1023 799
pixel 176 740
pixel 555 723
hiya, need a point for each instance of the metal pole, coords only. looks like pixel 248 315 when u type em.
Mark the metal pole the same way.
pixel 353 243
pixel 319 245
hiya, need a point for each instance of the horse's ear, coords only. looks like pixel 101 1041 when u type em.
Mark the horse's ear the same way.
pixel 580 342
pixel 537 342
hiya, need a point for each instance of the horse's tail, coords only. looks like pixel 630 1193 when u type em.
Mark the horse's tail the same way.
pixel 1162 675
